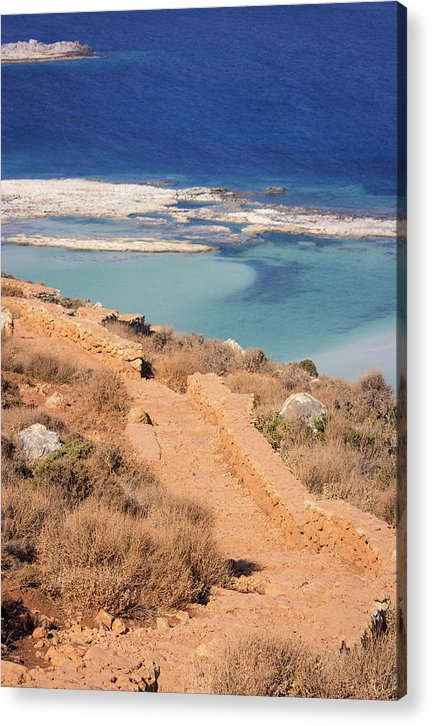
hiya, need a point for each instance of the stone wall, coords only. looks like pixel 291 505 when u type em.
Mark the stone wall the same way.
pixel 82 326
pixel 358 537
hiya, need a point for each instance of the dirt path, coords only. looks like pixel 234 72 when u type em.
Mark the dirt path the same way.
pixel 317 598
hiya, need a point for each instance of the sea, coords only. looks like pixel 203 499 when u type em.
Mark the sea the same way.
pixel 301 96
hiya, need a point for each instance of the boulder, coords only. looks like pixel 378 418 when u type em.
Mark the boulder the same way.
pixel 7 324
pixel 37 441
pixel 304 406
pixel 275 190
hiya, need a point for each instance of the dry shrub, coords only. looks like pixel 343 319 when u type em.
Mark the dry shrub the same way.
pixel 11 353
pixel 175 369
pixel 259 666
pixel 267 390
pixel 50 368
pixel 10 393
pixel 353 454
pixel 194 355
pixel 8 289
pixel 40 366
pixel 293 376
pixel 255 360
pixel 16 418
pixel 99 557
pixel 102 394
pixel 24 511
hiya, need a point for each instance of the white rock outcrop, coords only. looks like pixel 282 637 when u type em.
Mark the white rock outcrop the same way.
pixel 304 406
pixel 37 441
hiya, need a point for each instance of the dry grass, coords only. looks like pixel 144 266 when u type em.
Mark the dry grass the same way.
pixel 135 564
pixel 95 526
pixel 194 355
pixel 102 394
pixel 16 418
pixel 354 454
pixel 260 666
pixel 38 366
pixel 10 392
pixel 267 390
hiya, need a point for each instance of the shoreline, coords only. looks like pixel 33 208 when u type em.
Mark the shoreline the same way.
pixel 25 199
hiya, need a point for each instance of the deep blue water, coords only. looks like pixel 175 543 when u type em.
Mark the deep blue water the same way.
pixel 303 96
pixel 300 96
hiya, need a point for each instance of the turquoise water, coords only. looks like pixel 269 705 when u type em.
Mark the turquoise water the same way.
pixel 294 296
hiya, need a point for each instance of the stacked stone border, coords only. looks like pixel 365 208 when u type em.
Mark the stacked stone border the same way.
pixel 319 525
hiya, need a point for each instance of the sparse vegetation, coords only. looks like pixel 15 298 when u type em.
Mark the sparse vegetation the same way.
pixel 101 394
pixel 268 666
pixel 90 526
pixel 94 525
pixel 39 366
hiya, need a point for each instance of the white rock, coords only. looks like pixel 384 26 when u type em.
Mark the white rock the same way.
pixel 236 347
pixel 37 441
pixel 303 405
pixel 7 324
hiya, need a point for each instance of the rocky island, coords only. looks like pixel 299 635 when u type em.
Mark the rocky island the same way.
pixel 34 51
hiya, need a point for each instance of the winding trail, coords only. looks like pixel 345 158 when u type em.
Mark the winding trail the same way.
pixel 318 598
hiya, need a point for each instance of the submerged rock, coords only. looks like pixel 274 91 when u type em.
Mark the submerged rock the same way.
pixel 304 406
pixel 37 441
pixel 275 190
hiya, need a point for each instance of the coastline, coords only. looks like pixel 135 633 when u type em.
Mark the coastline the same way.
pixel 25 199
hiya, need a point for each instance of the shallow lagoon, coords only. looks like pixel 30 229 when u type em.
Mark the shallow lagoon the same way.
pixel 294 296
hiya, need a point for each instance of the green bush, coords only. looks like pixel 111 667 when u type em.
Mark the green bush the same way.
pixel 309 366
pixel 66 472
pixel 273 427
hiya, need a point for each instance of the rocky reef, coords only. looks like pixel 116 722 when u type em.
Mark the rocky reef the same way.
pixel 34 51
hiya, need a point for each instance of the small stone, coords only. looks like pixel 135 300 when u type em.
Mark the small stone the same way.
pixel 125 684
pixel 39 645
pixel 162 624
pixel 39 632
pixel 119 627
pixel 54 401
pixel 274 590
pixel 139 415
pixel 104 618
pixel 275 190
pixel 182 616
pixel 202 650
pixel 56 657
